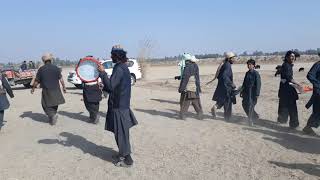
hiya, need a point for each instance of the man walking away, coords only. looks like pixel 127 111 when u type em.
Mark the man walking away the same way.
pixel 49 77
pixel 92 96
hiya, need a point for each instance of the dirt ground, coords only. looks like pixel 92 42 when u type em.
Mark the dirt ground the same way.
pixel 164 147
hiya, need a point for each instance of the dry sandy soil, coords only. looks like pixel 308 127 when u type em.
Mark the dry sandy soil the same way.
pixel 163 146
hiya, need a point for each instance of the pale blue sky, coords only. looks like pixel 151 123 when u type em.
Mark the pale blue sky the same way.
pixel 74 28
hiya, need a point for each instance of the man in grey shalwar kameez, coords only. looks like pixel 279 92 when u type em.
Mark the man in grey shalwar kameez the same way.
pixel 119 117
pixel 190 87
pixel 49 77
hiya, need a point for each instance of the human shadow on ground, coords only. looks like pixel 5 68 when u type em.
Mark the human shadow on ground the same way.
pixel 264 123
pixel 174 114
pixel 79 116
pixel 35 116
pixel 76 116
pixel 165 101
pixel 20 88
pixel 72 140
pixel 312 169
pixel 158 113
pixel 293 141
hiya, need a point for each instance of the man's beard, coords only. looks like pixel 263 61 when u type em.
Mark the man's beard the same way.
pixel 115 61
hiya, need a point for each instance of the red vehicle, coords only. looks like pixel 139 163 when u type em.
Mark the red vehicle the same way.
pixel 15 77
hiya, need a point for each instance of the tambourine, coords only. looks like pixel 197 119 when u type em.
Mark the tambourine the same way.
pixel 87 69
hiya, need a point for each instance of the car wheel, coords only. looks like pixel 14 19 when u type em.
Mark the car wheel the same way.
pixel 79 86
pixel 133 80
pixel 28 85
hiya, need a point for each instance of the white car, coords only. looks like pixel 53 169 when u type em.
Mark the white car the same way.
pixel 133 66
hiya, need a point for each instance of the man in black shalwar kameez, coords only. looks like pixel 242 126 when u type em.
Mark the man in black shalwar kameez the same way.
pixel 287 93
pixel 119 117
pixel 250 91
pixel 223 95
pixel 314 120
pixel 49 76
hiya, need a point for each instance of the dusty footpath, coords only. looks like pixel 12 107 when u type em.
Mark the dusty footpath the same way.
pixel 164 147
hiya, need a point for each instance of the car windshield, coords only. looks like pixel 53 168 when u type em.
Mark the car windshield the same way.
pixel 130 63
pixel 108 65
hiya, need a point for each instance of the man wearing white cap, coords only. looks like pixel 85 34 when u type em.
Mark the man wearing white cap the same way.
pixel 49 76
pixel 190 87
pixel 224 91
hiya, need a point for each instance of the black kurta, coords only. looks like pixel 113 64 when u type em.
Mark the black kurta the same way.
pixel 224 93
pixel 92 93
pixel 286 90
pixel 287 97
pixel 48 76
pixel 119 118
pixel 225 84
pixel 314 77
pixel 250 91
pixel 92 96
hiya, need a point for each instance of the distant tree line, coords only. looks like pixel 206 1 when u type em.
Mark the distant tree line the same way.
pixel 281 53
pixel 246 53
pixel 64 62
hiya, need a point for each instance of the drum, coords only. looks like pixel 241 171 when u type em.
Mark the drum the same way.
pixel 87 69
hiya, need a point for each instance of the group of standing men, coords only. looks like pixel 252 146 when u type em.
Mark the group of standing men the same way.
pixel 24 66
pixel 226 91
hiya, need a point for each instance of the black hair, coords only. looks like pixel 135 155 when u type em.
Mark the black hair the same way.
pixel 251 61
pixel 119 55
pixel 296 54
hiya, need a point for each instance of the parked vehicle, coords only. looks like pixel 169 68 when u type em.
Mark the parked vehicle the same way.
pixel 23 77
pixel 133 65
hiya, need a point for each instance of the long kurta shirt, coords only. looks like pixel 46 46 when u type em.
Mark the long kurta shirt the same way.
pixel 287 91
pixel 225 84
pixel 119 114
pixel 251 86
pixel 190 70
pixel 314 77
pixel 49 76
